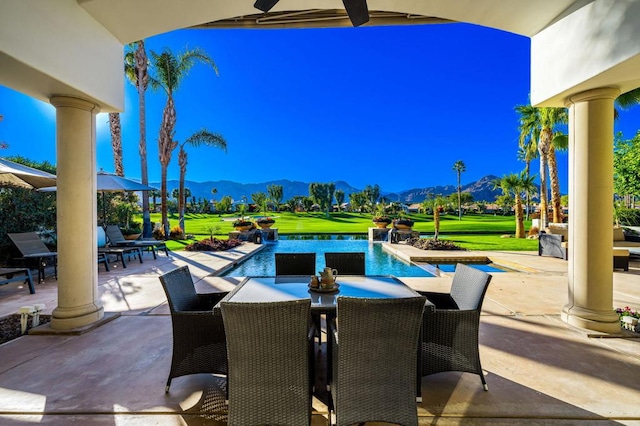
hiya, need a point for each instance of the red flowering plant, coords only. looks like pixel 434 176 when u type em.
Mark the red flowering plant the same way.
pixel 629 318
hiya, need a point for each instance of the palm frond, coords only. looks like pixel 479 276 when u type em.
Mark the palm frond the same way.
pixel 207 138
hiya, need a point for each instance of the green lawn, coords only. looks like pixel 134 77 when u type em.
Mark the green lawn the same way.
pixel 474 231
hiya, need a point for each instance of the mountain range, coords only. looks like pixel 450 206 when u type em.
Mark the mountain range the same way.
pixel 481 190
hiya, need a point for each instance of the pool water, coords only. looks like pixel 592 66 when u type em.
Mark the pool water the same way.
pixel 377 261
pixel 451 267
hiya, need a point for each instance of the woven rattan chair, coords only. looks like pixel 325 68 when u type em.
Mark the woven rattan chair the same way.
pixel 295 263
pixel 346 263
pixel 199 344
pixel 450 334
pixel 270 357
pixel 375 348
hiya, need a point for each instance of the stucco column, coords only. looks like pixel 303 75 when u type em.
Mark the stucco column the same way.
pixel 78 303
pixel 590 299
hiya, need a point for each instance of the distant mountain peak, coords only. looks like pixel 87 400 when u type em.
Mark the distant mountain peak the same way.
pixel 482 189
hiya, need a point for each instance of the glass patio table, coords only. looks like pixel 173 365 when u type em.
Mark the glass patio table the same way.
pixel 272 289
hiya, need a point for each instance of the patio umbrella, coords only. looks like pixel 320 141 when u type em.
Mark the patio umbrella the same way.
pixel 16 174
pixel 108 182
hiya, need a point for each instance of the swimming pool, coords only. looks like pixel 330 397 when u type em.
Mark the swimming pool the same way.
pixel 377 261
pixel 451 267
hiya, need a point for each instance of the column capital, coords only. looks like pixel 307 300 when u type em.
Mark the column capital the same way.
pixel 71 102
pixel 593 94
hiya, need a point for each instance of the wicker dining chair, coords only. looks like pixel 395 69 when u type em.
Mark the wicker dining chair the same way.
pixel 449 340
pixel 270 347
pixel 199 342
pixel 375 344
pixel 295 263
pixel 347 263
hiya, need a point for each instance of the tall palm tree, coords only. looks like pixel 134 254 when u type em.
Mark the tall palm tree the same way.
pixel 516 185
pixel 116 142
pixel 136 67
pixel 459 168
pixel 539 125
pixel 170 70
pixel 200 138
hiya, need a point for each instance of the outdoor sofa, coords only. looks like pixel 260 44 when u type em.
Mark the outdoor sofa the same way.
pixel 554 242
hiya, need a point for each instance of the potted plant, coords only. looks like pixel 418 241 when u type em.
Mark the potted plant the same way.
pixel 402 223
pixel 265 222
pixel 132 231
pixel 380 219
pixel 243 224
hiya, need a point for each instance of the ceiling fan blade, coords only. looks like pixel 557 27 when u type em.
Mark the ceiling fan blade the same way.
pixel 357 10
pixel 265 5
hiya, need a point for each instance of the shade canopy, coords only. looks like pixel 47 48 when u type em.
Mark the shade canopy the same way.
pixel 108 182
pixel 19 175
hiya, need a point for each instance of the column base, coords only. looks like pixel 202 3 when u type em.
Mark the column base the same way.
pixel 76 318
pixel 602 321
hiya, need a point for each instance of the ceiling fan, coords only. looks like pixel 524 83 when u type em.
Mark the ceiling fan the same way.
pixel 356 9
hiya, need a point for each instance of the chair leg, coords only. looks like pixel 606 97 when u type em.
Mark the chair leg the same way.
pixel 166 388
pixel 484 382
pixel 29 281
pixel 124 262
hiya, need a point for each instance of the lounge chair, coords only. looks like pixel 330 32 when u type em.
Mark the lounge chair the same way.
pixel 117 239
pixel 450 333
pixel 270 362
pixel 17 274
pixel 104 250
pixel 34 252
pixel 375 344
pixel 199 342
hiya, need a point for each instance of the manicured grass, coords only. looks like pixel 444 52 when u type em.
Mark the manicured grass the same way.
pixel 474 231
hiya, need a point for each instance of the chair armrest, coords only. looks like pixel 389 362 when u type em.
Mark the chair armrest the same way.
pixel 209 300
pixel 439 300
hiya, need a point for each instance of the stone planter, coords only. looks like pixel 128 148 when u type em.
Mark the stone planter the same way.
pixel 381 224
pixel 132 236
pixel 265 225
pixel 243 227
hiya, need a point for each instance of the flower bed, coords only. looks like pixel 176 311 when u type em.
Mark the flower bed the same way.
pixel 629 319
pixel 213 244
pixel 431 244
pixel 10 326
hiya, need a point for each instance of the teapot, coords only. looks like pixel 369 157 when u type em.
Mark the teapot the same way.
pixel 328 276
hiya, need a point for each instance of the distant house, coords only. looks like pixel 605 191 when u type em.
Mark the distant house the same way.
pixel 414 208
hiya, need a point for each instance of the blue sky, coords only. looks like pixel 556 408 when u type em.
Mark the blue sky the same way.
pixel 394 106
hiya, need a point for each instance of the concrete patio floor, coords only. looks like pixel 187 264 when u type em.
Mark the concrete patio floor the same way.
pixel 539 370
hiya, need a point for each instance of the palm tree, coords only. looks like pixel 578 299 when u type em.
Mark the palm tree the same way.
pixel 516 185
pixel 171 70
pixel 437 202
pixel 136 66
pixel 200 138
pixel 459 168
pixel 154 194
pixel 539 125
pixel 116 142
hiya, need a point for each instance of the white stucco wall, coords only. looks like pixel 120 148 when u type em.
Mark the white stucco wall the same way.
pixel 595 46
pixel 53 47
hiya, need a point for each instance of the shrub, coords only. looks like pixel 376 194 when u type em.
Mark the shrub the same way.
pixel 176 232
pixel 432 244
pixel 158 232
pixel 628 217
pixel 213 244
